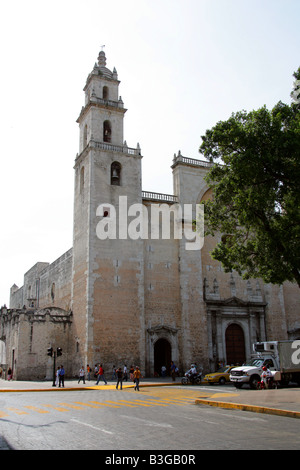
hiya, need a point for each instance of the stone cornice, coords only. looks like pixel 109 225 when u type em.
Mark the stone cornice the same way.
pixel 234 302
pixel 116 106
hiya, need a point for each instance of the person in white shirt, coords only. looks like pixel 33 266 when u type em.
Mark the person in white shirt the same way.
pixel 266 373
pixel 192 372
pixel 82 375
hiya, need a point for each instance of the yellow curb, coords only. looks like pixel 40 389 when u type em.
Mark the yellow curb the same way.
pixel 94 387
pixel 253 408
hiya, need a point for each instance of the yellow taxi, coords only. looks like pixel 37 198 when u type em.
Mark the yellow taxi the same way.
pixel 220 377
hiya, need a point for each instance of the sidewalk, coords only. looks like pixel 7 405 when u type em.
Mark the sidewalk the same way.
pixel 281 402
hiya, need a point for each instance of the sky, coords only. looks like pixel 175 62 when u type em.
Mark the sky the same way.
pixel 184 65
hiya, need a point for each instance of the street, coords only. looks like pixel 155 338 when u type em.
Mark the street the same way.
pixel 155 418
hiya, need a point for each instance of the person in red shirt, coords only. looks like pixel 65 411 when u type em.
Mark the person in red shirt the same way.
pixel 101 375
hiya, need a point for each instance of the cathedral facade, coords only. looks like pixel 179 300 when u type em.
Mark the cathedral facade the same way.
pixel 139 285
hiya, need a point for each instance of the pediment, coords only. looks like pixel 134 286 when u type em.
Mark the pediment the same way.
pixel 235 301
pixel 162 328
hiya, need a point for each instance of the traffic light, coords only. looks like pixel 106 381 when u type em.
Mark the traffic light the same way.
pixel 49 352
pixel 58 352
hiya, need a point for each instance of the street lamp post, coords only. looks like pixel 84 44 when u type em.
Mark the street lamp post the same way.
pixel 54 368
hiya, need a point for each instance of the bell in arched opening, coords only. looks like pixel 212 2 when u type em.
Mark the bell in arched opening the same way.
pixel 115 174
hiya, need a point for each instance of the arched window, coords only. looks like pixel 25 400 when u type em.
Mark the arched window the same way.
pixel 106 131
pixel 105 93
pixel 115 174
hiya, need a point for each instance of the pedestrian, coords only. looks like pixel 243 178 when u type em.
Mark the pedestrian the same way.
pixel 101 375
pixel 61 377
pixel 265 376
pixel 57 376
pixel 82 375
pixel 173 371
pixel 137 376
pixel 96 370
pixel 163 371
pixel 88 370
pixel 114 376
pixel 119 378
pixel 131 372
pixel 125 377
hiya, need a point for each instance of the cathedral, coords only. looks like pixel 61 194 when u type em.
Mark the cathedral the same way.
pixel 139 285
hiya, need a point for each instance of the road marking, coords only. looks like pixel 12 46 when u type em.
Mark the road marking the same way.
pixel 87 404
pixel 154 402
pixel 142 403
pixel 55 407
pixel 18 412
pixel 157 398
pixel 74 407
pixel 147 422
pixel 38 410
pixel 91 426
pixel 130 403
pixel 170 401
pixel 122 402
pixel 105 404
pixel 222 395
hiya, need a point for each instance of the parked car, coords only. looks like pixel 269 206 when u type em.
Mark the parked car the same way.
pixel 220 377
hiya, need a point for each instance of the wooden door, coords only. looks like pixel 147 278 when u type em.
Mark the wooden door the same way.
pixel 235 345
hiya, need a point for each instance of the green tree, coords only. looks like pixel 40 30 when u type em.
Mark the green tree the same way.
pixel 255 176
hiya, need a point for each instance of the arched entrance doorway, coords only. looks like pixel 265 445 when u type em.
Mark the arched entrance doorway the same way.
pixel 235 344
pixel 162 355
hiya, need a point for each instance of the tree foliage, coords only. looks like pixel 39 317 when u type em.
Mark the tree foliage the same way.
pixel 255 179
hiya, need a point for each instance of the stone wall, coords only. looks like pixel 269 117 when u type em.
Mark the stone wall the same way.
pixel 45 285
pixel 29 333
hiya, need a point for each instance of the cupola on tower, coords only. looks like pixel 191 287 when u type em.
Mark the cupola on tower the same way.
pixel 101 92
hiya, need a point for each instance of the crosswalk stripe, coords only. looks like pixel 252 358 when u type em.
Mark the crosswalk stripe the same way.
pixel 87 404
pixel 142 403
pixel 38 410
pixel 69 405
pixel 105 404
pixel 56 407
pixel 17 411
pixel 122 402
pixel 128 403
pixel 154 403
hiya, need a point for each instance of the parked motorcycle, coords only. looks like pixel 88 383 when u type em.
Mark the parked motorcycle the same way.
pixel 191 379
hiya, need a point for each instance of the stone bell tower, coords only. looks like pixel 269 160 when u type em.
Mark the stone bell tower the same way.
pixel 107 278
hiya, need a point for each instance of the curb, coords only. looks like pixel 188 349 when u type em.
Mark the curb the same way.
pixel 253 408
